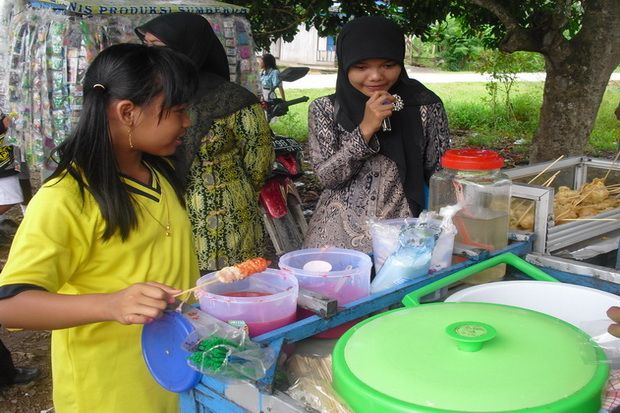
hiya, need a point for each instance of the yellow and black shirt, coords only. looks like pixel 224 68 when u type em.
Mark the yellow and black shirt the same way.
pixel 99 367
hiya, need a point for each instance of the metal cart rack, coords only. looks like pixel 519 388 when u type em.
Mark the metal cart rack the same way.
pixel 212 395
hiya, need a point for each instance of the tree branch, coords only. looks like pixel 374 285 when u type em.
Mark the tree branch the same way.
pixel 517 38
pixel 284 29
pixel 561 14
pixel 500 12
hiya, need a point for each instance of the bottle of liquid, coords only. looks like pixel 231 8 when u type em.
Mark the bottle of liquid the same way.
pixel 473 179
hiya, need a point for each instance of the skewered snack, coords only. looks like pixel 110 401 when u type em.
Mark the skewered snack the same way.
pixel 231 274
pixel 568 204
pixel 242 270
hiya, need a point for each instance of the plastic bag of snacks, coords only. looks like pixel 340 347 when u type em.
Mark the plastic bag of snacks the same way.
pixel 221 349
pixel 311 377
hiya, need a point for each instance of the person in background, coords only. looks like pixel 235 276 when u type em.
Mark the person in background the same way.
pixel 106 241
pixel 10 186
pixel 9 374
pixel 228 151
pixel 368 170
pixel 270 77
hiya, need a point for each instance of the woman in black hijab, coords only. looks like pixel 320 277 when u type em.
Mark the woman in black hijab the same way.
pixel 227 152
pixel 374 143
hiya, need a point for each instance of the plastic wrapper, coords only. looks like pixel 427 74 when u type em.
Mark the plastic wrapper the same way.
pixel 222 350
pixel 597 329
pixel 412 257
pixel 444 246
pixel 311 376
pixel 385 239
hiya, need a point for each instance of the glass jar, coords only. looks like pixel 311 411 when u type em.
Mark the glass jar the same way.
pixel 473 178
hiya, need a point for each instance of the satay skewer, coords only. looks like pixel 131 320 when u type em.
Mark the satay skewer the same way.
pixel 612 165
pixel 545 170
pixel 529 208
pixel 232 273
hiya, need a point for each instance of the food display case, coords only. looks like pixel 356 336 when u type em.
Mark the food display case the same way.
pixel 571 206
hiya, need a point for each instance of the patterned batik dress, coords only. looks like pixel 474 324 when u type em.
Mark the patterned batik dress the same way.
pixel 360 183
pixel 224 182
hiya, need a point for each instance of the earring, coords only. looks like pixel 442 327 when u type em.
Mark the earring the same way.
pixel 129 135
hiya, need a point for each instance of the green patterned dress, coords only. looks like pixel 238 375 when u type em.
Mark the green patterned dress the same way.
pixel 224 181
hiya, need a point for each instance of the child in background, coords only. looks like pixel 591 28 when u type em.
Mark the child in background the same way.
pixel 106 241
pixel 270 77
pixel 10 188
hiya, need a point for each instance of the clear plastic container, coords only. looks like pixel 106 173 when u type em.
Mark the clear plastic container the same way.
pixel 346 277
pixel 265 301
pixel 473 178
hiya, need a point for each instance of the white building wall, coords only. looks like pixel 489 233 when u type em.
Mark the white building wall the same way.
pixel 306 48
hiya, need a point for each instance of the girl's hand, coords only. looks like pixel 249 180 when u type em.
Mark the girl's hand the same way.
pixel 378 107
pixel 614 314
pixel 140 303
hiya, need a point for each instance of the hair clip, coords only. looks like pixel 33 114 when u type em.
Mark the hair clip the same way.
pixel 96 85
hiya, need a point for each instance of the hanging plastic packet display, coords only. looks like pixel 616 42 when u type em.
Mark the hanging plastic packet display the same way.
pixel 47 46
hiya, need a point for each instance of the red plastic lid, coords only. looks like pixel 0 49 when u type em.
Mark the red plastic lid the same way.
pixel 472 159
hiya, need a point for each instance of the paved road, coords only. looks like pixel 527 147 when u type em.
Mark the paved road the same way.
pixel 319 81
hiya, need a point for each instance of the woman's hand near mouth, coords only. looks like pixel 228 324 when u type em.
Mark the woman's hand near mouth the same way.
pixel 378 107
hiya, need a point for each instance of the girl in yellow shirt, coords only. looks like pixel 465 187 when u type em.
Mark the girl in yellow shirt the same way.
pixel 106 241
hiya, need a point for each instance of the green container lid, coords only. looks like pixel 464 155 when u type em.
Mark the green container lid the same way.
pixel 468 357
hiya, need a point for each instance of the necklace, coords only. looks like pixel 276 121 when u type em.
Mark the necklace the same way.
pixel 166 227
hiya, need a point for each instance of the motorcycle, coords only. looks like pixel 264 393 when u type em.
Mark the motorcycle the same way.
pixel 280 201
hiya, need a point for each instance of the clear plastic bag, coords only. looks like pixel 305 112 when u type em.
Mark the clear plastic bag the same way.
pixel 412 256
pixel 597 329
pixel 222 350
pixel 311 376
pixel 444 246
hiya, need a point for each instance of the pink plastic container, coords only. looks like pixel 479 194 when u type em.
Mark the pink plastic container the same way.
pixel 347 280
pixel 265 301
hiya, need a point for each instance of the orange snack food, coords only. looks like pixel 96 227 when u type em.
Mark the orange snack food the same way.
pixel 242 270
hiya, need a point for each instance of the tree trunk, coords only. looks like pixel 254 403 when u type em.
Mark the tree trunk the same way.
pixel 577 77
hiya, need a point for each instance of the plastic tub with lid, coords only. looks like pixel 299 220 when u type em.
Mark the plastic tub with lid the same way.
pixel 338 273
pixel 265 301
pixel 585 308
pixel 468 357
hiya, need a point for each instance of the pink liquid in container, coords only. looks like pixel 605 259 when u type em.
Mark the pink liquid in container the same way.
pixel 265 301
pixel 338 273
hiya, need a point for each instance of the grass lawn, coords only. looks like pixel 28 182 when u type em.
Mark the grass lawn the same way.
pixel 472 114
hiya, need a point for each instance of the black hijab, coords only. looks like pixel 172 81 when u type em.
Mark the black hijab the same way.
pixel 375 37
pixel 192 35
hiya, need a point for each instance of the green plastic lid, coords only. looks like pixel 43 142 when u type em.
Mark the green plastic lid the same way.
pixel 468 357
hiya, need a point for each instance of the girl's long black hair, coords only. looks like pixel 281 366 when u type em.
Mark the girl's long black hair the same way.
pixel 269 61
pixel 125 71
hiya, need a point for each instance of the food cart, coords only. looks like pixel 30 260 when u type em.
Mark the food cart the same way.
pixel 550 245
pixel 46 46
pixel 219 395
